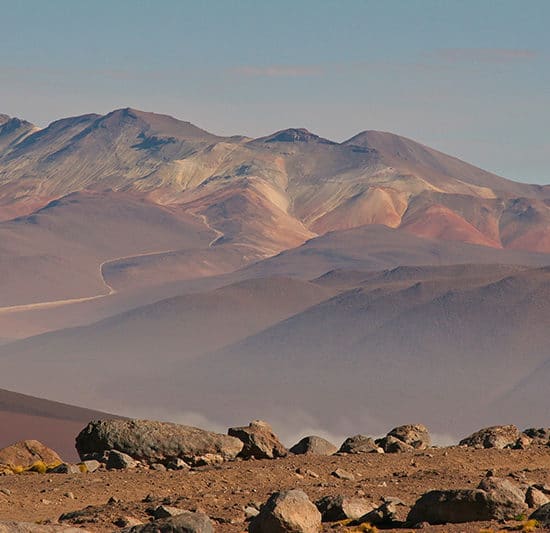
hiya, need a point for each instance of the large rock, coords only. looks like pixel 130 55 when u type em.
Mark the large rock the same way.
pixel 506 499
pixel 542 516
pixel 496 499
pixel 185 522
pixel 259 441
pixel 154 442
pixel 314 445
pixel 335 508
pixel 415 435
pixel 23 455
pixel 493 437
pixel 359 444
pixel 287 512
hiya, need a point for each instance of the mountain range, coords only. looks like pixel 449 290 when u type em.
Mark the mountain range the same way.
pixel 151 268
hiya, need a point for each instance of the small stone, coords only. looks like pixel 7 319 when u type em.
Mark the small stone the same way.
pixel 5 491
pixel 164 511
pixel 69 495
pixel 177 464
pixel 250 512
pixel 340 473
pixel 45 502
pixel 90 465
pixel 535 498
pixel 120 461
pixel 158 467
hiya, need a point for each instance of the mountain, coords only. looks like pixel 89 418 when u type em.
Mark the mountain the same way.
pixel 152 268
pixel 55 424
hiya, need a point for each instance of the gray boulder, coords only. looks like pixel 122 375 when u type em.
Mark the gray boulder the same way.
pixel 335 508
pixel 415 435
pixel 506 499
pixel 287 512
pixel 314 445
pixel 259 441
pixel 495 499
pixel 360 444
pixel 493 437
pixel 185 522
pixel 153 442
pixel 542 516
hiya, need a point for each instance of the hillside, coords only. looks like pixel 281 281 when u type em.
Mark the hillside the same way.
pixel 26 417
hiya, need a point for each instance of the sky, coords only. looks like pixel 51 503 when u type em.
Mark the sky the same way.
pixel 470 78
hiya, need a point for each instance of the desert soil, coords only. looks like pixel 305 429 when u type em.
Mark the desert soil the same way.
pixel 223 491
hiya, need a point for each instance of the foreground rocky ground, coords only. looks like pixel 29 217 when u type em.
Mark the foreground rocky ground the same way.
pixel 224 491
pixel 143 476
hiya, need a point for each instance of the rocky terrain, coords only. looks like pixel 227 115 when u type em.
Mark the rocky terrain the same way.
pixel 149 476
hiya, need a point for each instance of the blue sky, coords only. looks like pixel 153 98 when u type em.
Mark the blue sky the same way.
pixel 471 78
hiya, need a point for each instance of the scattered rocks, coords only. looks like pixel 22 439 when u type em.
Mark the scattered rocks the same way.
pixel 27 454
pixel 287 512
pixel 120 461
pixel 542 515
pixel 258 440
pixel 340 473
pixel 153 442
pixel 493 437
pixel 335 508
pixel 314 445
pixel 360 444
pixel 185 522
pixel 27 527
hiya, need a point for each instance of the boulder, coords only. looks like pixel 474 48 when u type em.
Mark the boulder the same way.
pixel 120 461
pixel 25 454
pixel 493 437
pixel 185 522
pixel 287 512
pixel 314 445
pixel 336 508
pixel 496 499
pixel 153 442
pixel 391 444
pixel 542 516
pixel 506 499
pixel 359 444
pixel 415 435
pixel 259 441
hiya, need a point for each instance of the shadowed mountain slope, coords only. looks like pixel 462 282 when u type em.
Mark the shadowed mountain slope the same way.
pixel 55 424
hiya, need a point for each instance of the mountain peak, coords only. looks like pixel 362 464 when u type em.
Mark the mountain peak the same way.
pixel 292 135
